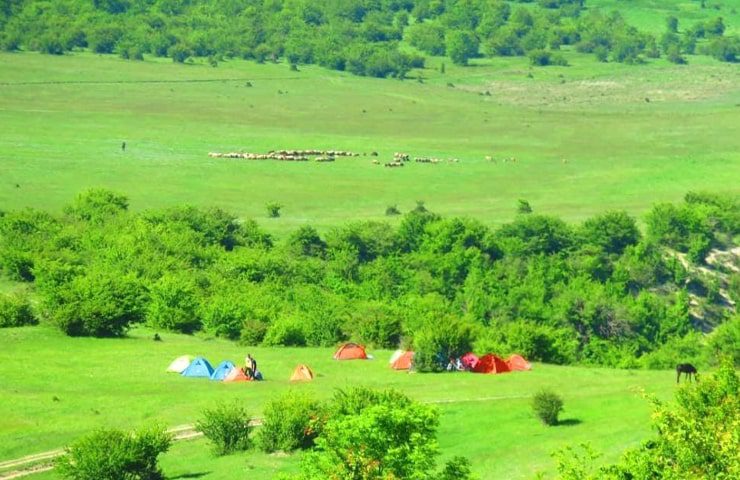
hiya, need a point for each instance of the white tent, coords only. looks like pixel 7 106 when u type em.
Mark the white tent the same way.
pixel 180 363
pixel 395 356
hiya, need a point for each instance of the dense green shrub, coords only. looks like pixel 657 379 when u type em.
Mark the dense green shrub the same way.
pixel 15 311
pixel 547 405
pixel 99 304
pixel 97 205
pixel 290 422
pixel 382 435
pixel 115 455
pixel 173 304
pixel 441 340
pixel 227 427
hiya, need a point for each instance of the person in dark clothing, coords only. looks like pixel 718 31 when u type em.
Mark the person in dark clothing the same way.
pixel 123 146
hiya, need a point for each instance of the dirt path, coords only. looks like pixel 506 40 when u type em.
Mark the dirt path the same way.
pixel 43 462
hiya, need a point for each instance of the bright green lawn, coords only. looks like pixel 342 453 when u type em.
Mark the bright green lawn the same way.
pixel 122 383
pixel 621 150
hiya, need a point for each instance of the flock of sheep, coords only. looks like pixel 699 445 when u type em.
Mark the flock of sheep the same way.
pixel 289 155
pixel 399 159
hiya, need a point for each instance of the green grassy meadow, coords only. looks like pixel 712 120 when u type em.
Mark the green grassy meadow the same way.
pixel 122 383
pixel 585 137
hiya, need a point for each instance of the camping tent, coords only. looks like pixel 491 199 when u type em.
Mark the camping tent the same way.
pixel 180 363
pixel 350 351
pixel 403 362
pixel 237 375
pixel 518 363
pixel 223 369
pixel 395 356
pixel 470 361
pixel 301 372
pixel 198 368
pixel 490 363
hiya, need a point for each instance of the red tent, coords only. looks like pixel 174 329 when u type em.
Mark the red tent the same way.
pixel 403 362
pixel 517 363
pixel 350 351
pixel 237 375
pixel 469 360
pixel 490 363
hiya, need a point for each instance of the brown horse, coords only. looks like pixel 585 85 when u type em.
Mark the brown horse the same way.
pixel 687 369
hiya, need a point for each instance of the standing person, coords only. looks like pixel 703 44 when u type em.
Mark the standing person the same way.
pixel 252 364
pixel 123 146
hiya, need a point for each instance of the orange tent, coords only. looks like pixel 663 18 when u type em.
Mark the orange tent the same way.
pixel 403 362
pixel 350 351
pixel 490 363
pixel 237 375
pixel 301 372
pixel 517 363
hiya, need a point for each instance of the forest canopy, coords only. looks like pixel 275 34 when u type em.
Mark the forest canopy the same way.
pixel 378 38
pixel 601 292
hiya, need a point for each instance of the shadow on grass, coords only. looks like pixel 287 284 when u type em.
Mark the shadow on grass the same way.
pixel 189 475
pixel 569 422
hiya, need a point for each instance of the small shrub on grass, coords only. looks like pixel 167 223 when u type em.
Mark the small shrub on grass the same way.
pixel 15 311
pixel 115 455
pixel 227 427
pixel 547 405
pixel 273 209
pixel 291 422
pixel 392 210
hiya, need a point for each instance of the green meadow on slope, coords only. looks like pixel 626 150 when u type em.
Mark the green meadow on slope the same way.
pixel 70 386
pixel 575 141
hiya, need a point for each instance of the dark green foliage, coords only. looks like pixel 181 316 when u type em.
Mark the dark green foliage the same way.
pixel 378 435
pixel 594 293
pixel 98 304
pixel 696 437
pixel 523 207
pixel 173 304
pixel 461 46
pixel 291 422
pixel 543 58
pixel 226 427
pixel 441 340
pixel 115 455
pixel 547 405
pixel 15 311
pixel 273 209
pixel 97 205
pixel 612 232
pixel 392 210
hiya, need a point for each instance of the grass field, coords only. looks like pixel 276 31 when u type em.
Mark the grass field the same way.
pixel 57 388
pixel 63 120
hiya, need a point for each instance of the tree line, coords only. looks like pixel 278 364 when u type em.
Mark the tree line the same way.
pixel 363 37
pixel 600 292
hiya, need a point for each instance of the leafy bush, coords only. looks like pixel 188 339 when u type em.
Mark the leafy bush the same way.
pixel 285 331
pixel 440 341
pixel 173 304
pixel 115 455
pixel 15 311
pixel 547 405
pixel 99 304
pixel 227 427
pixel 383 435
pixel 290 422
pixel 273 209
pixel 97 205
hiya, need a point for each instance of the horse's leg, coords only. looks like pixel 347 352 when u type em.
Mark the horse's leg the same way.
pixel 678 376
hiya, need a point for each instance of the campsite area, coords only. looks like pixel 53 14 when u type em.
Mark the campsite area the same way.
pixel 486 417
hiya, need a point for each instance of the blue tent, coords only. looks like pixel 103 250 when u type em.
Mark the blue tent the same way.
pixel 198 368
pixel 222 370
